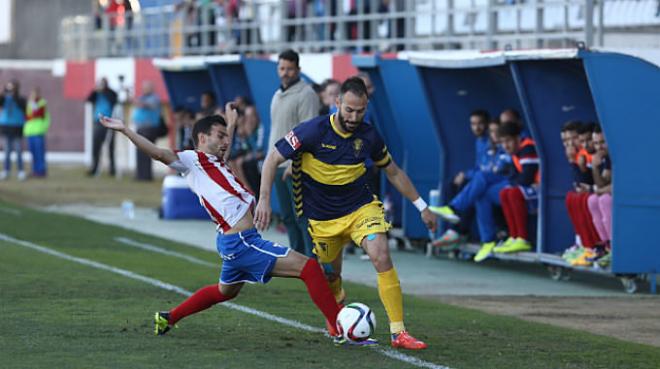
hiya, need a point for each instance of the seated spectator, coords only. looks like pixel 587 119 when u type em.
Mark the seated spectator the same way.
pixel 458 208
pixel 512 115
pixel 600 202
pixel 522 190
pixel 483 191
pixel 207 104
pixel 579 150
pixel 242 102
pixel 584 154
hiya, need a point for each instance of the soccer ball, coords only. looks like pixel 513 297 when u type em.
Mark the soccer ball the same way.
pixel 356 322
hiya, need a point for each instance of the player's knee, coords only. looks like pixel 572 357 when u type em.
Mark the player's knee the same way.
pixel 229 291
pixel 381 261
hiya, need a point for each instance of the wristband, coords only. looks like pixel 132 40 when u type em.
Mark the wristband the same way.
pixel 420 204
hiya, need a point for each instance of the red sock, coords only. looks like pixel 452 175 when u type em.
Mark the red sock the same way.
pixel 319 291
pixel 519 209
pixel 508 212
pixel 203 299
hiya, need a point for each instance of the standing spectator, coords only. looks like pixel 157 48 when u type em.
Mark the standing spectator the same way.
pixel 329 95
pixel 253 159
pixel 104 99
pixel 36 126
pixel 294 102
pixel 296 10
pixel 12 118
pixel 146 117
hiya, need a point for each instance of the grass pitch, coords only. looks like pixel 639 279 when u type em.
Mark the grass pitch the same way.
pixel 60 314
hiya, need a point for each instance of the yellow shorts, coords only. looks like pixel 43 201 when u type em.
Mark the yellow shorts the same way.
pixel 330 236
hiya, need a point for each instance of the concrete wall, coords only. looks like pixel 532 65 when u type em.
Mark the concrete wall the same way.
pixel 36 27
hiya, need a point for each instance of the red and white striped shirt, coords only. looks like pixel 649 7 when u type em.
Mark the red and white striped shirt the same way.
pixel 222 195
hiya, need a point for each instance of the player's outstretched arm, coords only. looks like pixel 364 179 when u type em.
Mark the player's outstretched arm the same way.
pixel 263 210
pixel 402 183
pixel 231 117
pixel 165 156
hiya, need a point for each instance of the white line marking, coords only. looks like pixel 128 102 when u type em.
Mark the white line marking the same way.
pixel 11 211
pixel 160 250
pixel 170 287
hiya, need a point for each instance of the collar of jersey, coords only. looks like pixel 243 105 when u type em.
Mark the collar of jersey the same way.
pixel 337 131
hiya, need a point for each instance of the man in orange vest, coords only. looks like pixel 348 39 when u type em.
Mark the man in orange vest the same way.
pixel 522 191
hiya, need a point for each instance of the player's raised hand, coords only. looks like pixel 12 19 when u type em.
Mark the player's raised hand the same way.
pixel 429 219
pixel 262 215
pixel 231 114
pixel 112 123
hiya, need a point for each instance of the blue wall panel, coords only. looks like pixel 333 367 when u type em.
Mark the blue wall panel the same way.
pixel 626 91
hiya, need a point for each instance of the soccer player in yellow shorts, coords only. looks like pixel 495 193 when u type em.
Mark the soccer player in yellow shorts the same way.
pixel 328 156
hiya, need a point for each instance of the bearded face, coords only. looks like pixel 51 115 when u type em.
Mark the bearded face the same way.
pixel 352 109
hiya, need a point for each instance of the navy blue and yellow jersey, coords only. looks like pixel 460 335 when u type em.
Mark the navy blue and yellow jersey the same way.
pixel 329 170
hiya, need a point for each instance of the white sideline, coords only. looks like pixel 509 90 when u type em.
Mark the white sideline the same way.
pixel 170 287
pixel 160 250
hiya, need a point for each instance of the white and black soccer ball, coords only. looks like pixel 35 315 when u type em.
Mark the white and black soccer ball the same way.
pixel 356 322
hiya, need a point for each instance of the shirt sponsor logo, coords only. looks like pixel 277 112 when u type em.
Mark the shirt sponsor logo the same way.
pixel 293 140
pixel 327 146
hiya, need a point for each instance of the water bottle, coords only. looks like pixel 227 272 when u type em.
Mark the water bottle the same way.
pixel 128 209
pixel 434 198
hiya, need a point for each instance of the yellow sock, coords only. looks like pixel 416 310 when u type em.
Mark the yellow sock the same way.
pixel 389 290
pixel 337 290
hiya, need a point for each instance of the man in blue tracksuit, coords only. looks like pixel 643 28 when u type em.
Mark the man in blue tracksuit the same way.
pixel 490 176
pixel 479 126
pixel 12 119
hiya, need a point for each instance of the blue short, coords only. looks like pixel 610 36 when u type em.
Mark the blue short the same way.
pixel 246 257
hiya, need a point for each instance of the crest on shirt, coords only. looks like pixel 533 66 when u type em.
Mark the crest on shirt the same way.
pixel 357 146
pixel 293 140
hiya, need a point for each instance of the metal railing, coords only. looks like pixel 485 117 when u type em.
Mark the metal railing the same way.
pixel 268 26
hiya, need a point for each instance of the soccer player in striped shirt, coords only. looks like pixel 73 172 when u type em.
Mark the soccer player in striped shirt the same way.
pixel 246 256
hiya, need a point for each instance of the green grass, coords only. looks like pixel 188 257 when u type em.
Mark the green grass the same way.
pixel 66 184
pixel 59 314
